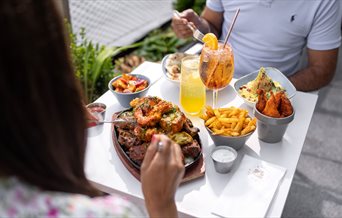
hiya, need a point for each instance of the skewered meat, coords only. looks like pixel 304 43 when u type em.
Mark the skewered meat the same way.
pixel 137 153
pixel 145 134
pixel 127 138
pixel 173 121
pixel 150 111
pixel 192 149
pixel 145 103
pixel 151 115
pixel 189 128
pixel 130 123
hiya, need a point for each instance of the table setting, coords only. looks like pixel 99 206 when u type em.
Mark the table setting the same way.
pixel 240 138
pixel 196 198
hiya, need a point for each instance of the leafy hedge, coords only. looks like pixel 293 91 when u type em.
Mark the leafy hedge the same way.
pixel 196 5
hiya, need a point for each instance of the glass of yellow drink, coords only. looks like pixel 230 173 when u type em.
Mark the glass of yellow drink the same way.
pixel 192 90
pixel 216 68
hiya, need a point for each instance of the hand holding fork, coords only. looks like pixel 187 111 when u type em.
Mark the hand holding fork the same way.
pixel 181 32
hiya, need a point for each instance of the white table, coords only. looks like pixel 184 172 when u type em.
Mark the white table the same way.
pixel 104 168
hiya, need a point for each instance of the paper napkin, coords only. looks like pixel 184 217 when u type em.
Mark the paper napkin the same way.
pixel 250 190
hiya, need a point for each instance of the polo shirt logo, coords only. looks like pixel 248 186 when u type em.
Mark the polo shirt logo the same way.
pixel 293 18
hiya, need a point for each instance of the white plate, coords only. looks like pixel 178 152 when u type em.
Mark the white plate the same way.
pixel 275 75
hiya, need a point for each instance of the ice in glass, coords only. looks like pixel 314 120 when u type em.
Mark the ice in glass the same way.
pixel 216 64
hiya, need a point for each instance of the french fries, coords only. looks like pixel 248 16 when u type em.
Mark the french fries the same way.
pixel 230 121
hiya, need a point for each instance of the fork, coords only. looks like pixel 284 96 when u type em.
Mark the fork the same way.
pixel 116 121
pixel 198 35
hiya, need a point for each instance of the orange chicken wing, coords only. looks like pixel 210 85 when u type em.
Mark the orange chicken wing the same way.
pixel 285 106
pixel 261 103
pixel 271 108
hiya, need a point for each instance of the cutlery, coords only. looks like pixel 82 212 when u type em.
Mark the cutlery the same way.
pixel 116 121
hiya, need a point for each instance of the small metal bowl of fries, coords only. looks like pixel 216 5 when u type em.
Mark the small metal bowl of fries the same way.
pixel 229 126
pixel 128 87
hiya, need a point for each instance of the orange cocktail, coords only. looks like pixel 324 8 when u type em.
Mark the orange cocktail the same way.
pixel 216 66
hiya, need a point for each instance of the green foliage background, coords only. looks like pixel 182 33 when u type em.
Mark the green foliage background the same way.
pixel 159 43
pixel 92 64
pixel 196 5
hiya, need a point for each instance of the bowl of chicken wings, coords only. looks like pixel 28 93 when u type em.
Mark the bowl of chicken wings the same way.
pixel 134 128
pixel 273 115
pixel 266 78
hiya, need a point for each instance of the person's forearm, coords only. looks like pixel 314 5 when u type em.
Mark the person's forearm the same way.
pixel 167 210
pixel 310 79
pixel 320 71
pixel 206 27
pixel 211 21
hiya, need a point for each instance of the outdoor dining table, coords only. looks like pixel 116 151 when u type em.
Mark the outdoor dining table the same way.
pixel 195 198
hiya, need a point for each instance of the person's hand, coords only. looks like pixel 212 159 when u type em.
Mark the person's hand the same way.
pixel 161 172
pixel 179 25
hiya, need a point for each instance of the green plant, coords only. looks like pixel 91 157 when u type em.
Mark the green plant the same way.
pixel 181 5
pixel 159 43
pixel 93 63
pixel 199 6
pixel 196 5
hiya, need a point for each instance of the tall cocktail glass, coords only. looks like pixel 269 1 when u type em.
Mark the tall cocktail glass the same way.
pixel 192 90
pixel 216 68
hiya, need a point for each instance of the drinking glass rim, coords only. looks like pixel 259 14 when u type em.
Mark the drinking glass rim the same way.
pixel 220 42
pixel 191 57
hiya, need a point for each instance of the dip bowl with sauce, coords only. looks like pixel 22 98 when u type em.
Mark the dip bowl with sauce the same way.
pixel 223 158
pixel 98 110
